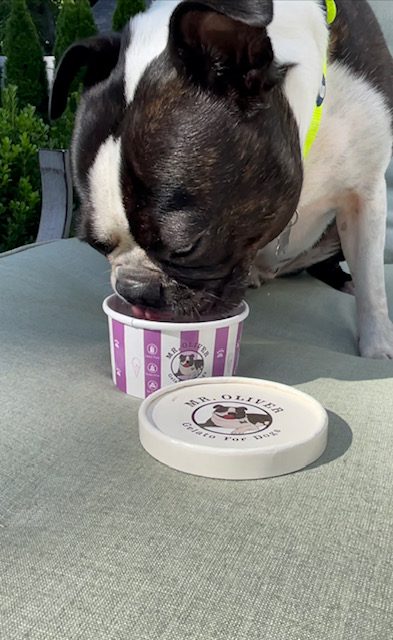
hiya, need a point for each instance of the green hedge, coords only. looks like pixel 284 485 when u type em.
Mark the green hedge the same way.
pixel 125 9
pixel 5 8
pixel 25 67
pixel 43 13
pixel 75 22
pixel 22 133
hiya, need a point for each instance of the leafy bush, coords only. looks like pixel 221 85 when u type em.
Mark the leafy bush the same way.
pixel 22 134
pixel 75 22
pixel 125 9
pixel 5 7
pixel 22 131
pixel 25 67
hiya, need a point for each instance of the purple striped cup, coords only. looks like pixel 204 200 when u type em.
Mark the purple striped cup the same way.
pixel 148 355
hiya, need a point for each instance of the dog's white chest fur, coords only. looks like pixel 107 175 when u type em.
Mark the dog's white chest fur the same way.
pixel 334 170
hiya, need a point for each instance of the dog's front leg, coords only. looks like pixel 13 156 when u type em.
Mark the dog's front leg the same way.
pixel 362 227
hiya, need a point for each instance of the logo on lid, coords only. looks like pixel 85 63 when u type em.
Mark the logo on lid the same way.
pixel 232 417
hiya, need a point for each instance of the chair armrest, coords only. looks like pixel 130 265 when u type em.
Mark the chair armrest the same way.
pixel 57 195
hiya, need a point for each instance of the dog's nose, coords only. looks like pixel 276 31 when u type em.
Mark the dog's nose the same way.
pixel 141 291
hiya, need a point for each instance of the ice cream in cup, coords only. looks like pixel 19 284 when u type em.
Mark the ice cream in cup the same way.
pixel 147 355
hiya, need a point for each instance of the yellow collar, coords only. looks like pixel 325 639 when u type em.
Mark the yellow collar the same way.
pixel 331 13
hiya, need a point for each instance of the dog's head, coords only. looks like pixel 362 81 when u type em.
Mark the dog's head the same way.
pixel 230 413
pixel 185 176
pixel 187 360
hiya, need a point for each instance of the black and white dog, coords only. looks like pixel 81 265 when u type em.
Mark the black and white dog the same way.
pixel 188 152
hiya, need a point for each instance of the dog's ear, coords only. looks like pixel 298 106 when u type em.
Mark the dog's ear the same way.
pixel 224 45
pixel 98 55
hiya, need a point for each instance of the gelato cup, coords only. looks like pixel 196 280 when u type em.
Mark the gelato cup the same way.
pixel 148 355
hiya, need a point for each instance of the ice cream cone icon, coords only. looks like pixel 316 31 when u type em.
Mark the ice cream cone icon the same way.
pixel 136 366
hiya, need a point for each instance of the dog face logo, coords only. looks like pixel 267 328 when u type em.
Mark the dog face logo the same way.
pixel 234 419
pixel 188 365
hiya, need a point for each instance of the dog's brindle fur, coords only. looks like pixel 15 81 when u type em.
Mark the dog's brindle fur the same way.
pixel 210 155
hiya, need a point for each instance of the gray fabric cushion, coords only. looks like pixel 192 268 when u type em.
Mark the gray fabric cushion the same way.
pixel 98 541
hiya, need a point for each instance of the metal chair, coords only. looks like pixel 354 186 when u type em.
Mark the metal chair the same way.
pixel 57 195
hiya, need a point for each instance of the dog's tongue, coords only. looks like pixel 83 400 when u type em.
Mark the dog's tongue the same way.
pixel 138 312
pixel 159 315
pixel 151 314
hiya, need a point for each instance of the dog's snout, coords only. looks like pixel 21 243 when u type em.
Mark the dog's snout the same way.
pixel 141 291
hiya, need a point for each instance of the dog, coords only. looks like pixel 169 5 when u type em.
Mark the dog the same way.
pixel 189 153
pixel 237 420
pixel 189 367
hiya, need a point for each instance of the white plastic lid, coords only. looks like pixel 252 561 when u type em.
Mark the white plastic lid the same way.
pixel 233 428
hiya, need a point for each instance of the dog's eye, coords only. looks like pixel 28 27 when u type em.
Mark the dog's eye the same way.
pixel 105 248
pixel 186 251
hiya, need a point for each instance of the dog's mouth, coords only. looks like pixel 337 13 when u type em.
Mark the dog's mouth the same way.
pixel 167 315
pixel 156 296
pixel 152 315
pixel 176 315
pixel 167 300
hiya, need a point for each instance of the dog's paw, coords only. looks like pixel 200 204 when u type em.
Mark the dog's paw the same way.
pixel 377 342
pixel 256 278
pixel 348 287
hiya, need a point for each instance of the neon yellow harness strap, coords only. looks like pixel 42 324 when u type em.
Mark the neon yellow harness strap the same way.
pixel 331 13
pixel 331 9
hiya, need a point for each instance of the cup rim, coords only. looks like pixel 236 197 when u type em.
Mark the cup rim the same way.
pixel 154 325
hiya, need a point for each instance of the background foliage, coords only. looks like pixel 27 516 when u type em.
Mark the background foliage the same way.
pixel 22 134
pixel 75 21
pixel 25 66
pixel 125 9
pixel 28 30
